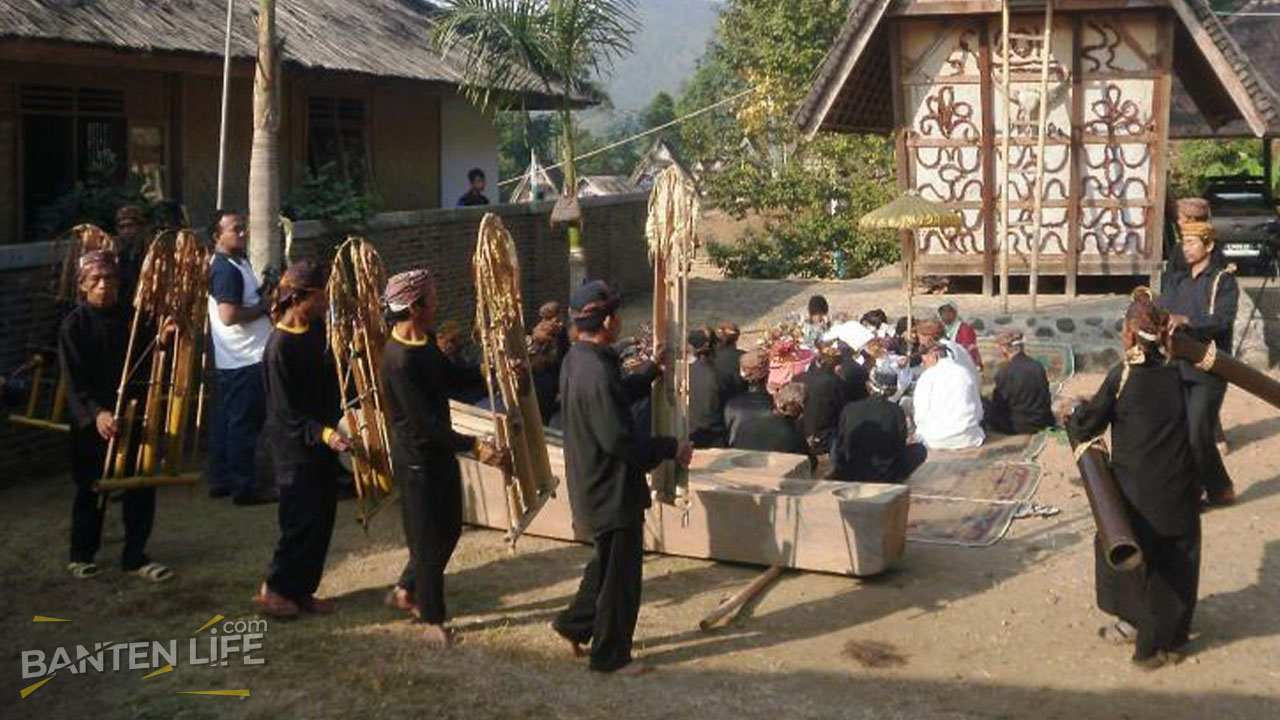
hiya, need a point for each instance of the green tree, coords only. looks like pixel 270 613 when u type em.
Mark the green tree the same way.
pixel 712 135
pixel 564 43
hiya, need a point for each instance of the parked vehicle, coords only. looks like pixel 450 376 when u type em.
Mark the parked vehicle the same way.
pixel 1245 220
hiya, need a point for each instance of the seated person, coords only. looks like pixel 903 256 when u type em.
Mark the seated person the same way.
pixel 946 405
pixel 756 401
pixel 877 322
pixel 706 396
pixel 824 397
pixel 871 442
pixel 931 333
pixel 853 371
pixel 817 323
pixel 727 358
pixel 779 431
pixel 1021 403
pixel 638 374
pixel 959 331
pixel 544 361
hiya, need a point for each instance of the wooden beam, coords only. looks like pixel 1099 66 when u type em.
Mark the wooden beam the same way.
pixel 1161 103
pixel 906 238
pixel 1223 69
pixel 988 161
pixel 1075 193
pixel 926 8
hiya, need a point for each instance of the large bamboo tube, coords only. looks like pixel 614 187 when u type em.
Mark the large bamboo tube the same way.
pixel 59 400
pixel 124 433
pixel 1115 533
pixel 151 416
pixel 33 400
pixel 1220 363
pixel 740 598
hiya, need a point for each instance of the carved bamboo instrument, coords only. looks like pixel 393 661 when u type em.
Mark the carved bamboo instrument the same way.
pixel 509 376
pixel 356 336
pixel 1119 543
pixel 671 229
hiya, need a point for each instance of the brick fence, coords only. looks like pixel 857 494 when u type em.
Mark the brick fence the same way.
pixel 443 240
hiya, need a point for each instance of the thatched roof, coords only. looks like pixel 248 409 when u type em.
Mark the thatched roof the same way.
pixel 602 185
pixel 1254 25
pixel 852 92
pixel 386 38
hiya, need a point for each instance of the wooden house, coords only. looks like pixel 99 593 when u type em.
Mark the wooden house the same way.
pixel 363 91
pixel 930 73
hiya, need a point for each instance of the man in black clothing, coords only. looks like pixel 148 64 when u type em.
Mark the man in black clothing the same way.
pixel 1021 403
pixel 1202 301
pixel 303 409
pixel 824 398
pixel 779 430
pixel 756 402
pixel 475 194
pixel 424 448
pixel 131 249
pixel 92 343
pixel 727 360
pixel 853 373
pixel 606 463
pixel 706 394
pixel 871 441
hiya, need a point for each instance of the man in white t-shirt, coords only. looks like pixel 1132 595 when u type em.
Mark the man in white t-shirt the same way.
pixel 239 325
pixel 946 404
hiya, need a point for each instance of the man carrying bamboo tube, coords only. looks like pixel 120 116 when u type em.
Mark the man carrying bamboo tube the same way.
pixel 92 344
pixel 418 377
pixel 1202 301
pixel 303 408
pixel 239 327
pixel 606 461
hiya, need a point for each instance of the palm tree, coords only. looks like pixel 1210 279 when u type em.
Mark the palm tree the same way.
pixel 264 156
pixel 563 44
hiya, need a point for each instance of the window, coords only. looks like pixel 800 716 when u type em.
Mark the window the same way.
pixel 67 135
pixel 336 138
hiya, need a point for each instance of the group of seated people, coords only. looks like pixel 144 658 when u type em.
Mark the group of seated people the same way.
pixel 875 398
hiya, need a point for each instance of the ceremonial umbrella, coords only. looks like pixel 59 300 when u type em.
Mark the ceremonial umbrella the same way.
pixel 909 211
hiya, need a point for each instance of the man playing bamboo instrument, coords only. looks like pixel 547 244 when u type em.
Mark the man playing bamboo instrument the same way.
pixel 1202 301
pixel 417 379
pixel 303 407
pixel 606 462
pixel 92 345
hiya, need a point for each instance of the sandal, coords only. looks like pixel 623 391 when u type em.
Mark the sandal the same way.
pixel 1119 633
pixel 154 572
pixel 82 570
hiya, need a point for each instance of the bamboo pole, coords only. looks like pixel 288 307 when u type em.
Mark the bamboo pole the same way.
pixel 1038 201
pixel 1003 225
pixel 121 390
pixel 742 597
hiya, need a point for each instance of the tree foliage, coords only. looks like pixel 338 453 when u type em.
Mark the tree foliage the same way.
pixel 1196 160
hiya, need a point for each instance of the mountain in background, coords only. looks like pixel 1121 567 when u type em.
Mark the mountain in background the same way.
pixel 673 35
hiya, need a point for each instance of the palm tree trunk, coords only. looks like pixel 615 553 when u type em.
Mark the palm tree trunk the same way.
pixel 264 159
pixel 570 188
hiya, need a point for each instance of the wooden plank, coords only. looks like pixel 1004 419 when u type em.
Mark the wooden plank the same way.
pixel 1074 189
pixel 1161 106
pixel 925 8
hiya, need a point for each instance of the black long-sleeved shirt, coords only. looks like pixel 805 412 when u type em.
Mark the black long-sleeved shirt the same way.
pixel 417 379
pixel 728 362
pixel 823 400
pixel 706 405
pixel 870 440
pixel 1021 403
pixel 854 375
pixel 750 404
pixel 770 433
pixel 1182 294
pixel 1150 446
pixel 303 399
pixel 606 460
pixel 92 344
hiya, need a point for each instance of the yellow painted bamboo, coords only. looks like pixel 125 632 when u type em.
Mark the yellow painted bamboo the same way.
pixel 37 377
pixel 151 416
pixel 39 423
pixel 59 400
pixel 123 438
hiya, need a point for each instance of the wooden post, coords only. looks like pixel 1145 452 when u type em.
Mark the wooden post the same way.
pixel 1037 201
pixel 1075 193
pixel 988 161
pixel 906 238
pixel 740 598
pixel 1003 227
pixel 1159 184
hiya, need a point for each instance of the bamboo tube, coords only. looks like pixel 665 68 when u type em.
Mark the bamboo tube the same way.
pixel 742 597
pixel 124 431
pixel 121 390
pixel 135 482
pixel 59 400
pixel 39 423
pixel 33 400
pixel 151 416
pixel 1220 363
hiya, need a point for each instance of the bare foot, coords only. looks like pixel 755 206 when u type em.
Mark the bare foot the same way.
pixel 437 637
pixel 635 668
pixel 577 648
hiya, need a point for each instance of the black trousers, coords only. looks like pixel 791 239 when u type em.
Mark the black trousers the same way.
pixel 1158 598
pixel 431 505
pixel 913 456
pixel 1204 402
pixel 308 506
pixel 88 453
pixel 605 609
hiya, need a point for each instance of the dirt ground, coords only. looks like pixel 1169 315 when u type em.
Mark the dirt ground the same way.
pixel 1002 632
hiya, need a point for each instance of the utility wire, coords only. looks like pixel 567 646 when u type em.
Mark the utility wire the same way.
pixel 642 134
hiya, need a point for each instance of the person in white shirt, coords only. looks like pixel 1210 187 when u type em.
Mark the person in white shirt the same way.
pixel 946 405
pixel 240 326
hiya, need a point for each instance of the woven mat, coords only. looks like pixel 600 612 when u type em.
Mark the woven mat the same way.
pixel 970 497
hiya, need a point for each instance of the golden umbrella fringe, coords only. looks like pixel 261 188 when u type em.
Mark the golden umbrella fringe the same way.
pixel 508 375
pixel 357 334
pixel 909 212
pixel 172 287
pixel 672 231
